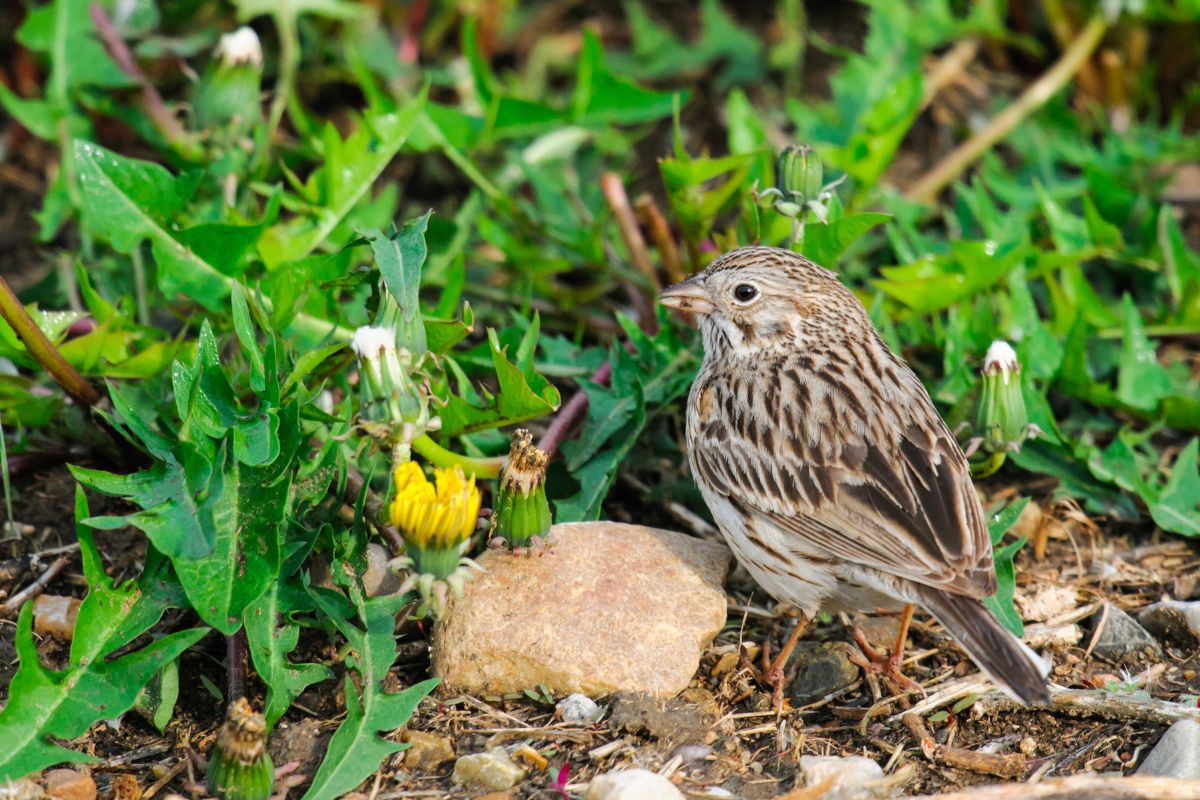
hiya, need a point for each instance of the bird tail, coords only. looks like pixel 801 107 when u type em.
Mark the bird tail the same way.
pixel 1004 658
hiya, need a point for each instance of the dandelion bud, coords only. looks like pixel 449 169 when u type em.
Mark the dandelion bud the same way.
pixel 1001 419
pixel 800 175
pixel 522 511
pixel 229 94
pixel 240 767
pixel 240 47
pixel 394 408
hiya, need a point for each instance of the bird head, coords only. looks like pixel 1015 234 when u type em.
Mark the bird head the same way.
pixel 757 299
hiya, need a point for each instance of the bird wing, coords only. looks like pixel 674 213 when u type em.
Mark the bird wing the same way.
pixel 871 477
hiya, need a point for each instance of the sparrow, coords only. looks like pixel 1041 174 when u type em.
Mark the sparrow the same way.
pixel 828 469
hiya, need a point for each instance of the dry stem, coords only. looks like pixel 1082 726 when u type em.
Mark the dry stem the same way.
pixel 1036 95
pixel 660 232
pixel 44 350
pixel 1132 788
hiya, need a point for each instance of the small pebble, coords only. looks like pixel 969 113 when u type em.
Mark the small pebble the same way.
pixel 426 751
pixel 491 771
pixel 1175 754
pixel 69 784
pixel 848 772
pixel 691 753
pixel 578 708
pixel 632 784
pixel 54 615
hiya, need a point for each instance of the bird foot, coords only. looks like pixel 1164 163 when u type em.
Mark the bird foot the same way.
pixel 770 675
pixel 872 660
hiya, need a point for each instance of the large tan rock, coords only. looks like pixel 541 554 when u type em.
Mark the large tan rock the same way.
pixel 607 608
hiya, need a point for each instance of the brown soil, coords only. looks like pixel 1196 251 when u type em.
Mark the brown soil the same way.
pixel 721 729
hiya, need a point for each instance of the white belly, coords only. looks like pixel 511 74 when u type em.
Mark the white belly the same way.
pixel 797 583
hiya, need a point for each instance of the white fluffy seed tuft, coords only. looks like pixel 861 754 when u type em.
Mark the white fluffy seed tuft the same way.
pixel 369 341
pixel 240 47
pixel 1001 358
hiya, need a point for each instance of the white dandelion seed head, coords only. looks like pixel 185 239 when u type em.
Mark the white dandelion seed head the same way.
pixel 369 341
pixel 240 47
pixel 1001 358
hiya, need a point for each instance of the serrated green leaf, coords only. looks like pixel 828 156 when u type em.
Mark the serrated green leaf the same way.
pixel 63 704
pixel 127 202
pixel 825 244
pixel 271 636
pixel 1000 603
pixel 356 749
pixel 1141 380
pixel 350 169
pixel 523 395
pixel 602 98
pixel 218 493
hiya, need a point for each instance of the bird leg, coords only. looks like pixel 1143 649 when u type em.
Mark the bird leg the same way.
pixel 875 661
pixel 772 672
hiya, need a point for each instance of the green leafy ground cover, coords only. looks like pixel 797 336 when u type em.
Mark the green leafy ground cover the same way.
pixel 211 262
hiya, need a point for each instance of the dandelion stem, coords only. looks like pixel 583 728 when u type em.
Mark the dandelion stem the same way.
pixel 439 456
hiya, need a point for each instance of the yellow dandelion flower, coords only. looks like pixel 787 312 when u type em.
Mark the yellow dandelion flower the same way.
pixel 439 515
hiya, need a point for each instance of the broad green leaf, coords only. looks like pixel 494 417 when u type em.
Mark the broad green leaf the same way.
pixel 44 704
pixel 937 282
pixel 1177 508
pixel 1141 380
pixel 825 244
pixel 39 117
pixel 1181 264
pixel 596 476
pixel 128 202
pixel 399 258
pixel 602 98
pixel 1001 603
pixel 658 53
pixel 356 749
pixel 217 494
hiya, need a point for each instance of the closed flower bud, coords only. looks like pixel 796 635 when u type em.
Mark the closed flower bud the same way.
pixel 229 94
pixel 239 767
pixel 394 408
pixel 240 47
pixel 1001 419
pixel 800 174
pixel 522 511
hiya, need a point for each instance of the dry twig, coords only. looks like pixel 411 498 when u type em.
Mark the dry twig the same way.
pixel 1080 786
pixel 1034 97
pixel 1003 765
pixel 14 603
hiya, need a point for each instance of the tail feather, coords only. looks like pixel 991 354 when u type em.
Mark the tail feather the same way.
pixel 1004 658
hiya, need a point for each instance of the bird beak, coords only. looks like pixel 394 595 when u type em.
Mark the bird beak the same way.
pixel 689 296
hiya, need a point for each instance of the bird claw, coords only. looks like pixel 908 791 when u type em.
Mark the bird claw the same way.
pixel 875 662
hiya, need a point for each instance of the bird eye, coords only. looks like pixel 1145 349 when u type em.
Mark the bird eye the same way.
pixel 744 293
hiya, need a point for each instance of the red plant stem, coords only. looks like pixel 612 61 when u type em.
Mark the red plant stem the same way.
pixel 235 658
pixel 152 101
pixel 43 349
pixel 571 412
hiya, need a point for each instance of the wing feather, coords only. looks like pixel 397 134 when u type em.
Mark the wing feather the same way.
pixel 867 475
